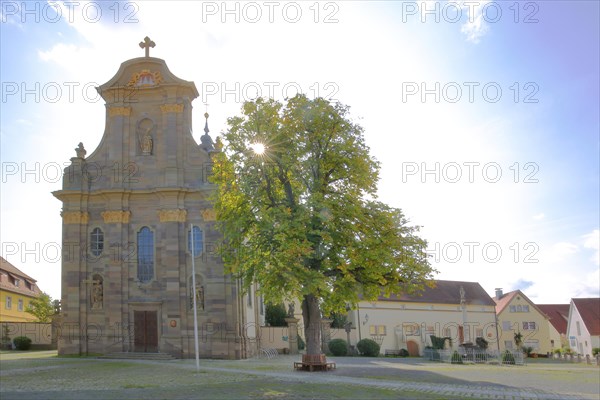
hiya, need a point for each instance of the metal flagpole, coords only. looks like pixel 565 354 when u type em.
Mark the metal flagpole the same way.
pixel 193 245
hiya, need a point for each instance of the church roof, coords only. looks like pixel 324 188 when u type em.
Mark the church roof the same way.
pixel 447 292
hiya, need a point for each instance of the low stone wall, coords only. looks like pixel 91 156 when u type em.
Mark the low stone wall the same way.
pixel 42 335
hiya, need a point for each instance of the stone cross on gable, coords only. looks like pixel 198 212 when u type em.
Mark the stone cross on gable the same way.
pixel 146 44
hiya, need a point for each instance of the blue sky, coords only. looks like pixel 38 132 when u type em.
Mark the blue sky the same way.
pixel 376 57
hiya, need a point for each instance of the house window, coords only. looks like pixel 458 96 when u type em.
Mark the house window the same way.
pixel 145 244
pixel 447 332
pixel 377 330
pixel 8 304
pixel 513 308
pixel 97 241
pixel 506 326
pixel 519 308
pixel 525 308
pixel 20 305
pixel 198 241
pixel 478 332
pixel 508 344
pixel 529 326
pixel 578 328
pixel 17 282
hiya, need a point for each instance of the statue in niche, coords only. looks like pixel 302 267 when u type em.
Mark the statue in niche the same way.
pixel 199 298
pixel 291 310
pixel 146 142
pixel 97 293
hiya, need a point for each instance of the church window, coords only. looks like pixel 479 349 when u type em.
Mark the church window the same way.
pixel 198 241
pixel 145 245
pixel 97 241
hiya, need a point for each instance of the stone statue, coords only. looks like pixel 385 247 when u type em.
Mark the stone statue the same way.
pixel 199 298
pixel 147 142
pixel 97 295
pixel 219 144
pixel 291 310
pixel 80 151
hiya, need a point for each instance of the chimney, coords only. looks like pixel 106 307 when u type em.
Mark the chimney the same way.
pixel 499 293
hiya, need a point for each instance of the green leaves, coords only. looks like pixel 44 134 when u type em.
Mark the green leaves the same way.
pixel 302 218
pixel 41 308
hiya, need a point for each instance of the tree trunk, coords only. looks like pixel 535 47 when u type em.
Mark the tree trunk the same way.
pixel 311 313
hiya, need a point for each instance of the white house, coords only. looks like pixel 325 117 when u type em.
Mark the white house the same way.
pixel 583 328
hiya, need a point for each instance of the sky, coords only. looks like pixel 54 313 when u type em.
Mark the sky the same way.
pixel 484 115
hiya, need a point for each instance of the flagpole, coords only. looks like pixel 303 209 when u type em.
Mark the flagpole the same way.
pixel 193 245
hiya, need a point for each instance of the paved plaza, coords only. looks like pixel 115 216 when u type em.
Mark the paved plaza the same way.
pixel 42 375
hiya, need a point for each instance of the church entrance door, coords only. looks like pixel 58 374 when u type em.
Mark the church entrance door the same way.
pixel 145 331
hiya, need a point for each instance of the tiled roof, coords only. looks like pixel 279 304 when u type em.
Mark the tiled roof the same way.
pixel 558 314
pixel 589 309
pixel 10 270
pixel 447 292
pixel 508 297
pixel 8 267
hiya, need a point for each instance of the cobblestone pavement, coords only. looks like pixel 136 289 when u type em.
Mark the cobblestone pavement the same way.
pixel 403 376
pixel 465 389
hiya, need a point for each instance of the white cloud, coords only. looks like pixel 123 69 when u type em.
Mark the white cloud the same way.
pixel 539 216
pixel 475 27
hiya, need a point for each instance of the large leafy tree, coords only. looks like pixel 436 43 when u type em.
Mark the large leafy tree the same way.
pixel 42 308
pixel 301 217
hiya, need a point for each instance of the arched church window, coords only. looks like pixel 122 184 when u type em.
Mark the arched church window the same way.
pixel 198 241
pixel 145 246
pixel 97 241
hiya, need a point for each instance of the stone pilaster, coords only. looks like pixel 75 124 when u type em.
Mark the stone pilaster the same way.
pixel 293 334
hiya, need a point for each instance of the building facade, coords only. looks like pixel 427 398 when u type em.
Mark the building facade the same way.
pixel 127 211
pixel 518 314
pixel 460 310
pixel 17 290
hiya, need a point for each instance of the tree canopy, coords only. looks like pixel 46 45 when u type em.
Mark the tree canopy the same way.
pixel 302 219
pixel 42 308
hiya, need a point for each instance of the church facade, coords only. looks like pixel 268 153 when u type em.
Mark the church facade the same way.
pixel 127 213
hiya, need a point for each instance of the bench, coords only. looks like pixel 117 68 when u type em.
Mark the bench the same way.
pixel 314 362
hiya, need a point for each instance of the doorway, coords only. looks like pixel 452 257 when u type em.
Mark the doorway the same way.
pixel 145 331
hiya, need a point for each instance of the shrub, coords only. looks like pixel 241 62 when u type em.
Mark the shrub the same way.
pixel 456 358
pixel 403 353
pixel 481 343
pixel 368 347
pixel 338 347
pixel 301 344
pixel 507 357
pixel 595 351
pixel 439 343
pixel 22 342
pixel 275 315
pixel 528 350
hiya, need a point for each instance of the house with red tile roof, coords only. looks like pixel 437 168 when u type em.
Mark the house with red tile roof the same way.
pixel 460 310
pixel 17 289
pixel 583 327
pixel 516 313
pixel 558 315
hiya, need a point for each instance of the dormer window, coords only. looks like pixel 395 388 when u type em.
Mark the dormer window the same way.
pixel 17 282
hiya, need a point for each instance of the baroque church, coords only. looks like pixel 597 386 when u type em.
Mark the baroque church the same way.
pixel 127 213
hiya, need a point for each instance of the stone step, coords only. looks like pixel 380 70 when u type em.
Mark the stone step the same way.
pixel 139 356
